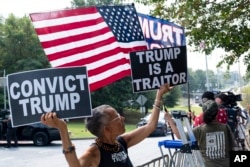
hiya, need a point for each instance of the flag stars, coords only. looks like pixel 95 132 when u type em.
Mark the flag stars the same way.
pixel 123 22
pixel 124 39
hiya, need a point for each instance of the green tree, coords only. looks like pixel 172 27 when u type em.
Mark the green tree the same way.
pixel 200 76
pixel 20 49
pixel 115 94
pixel 192 81
pixel 245 97
pixel 79 3
pixel 193 84
pixel 220 24
pixel 1 98
pixel 120 95
pixel 172 98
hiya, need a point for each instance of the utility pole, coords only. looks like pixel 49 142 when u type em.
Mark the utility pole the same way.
pixel 239 75
pixel 207 80
pixel 202 46
pixel 4 89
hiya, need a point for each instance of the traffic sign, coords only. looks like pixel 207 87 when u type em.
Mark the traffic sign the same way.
pixel 141 100
pixel 3 81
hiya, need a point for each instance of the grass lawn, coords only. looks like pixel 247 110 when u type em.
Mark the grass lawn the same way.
pixel 196 109
pixel 78 130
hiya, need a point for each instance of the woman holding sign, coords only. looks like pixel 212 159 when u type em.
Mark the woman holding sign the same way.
pixel 111 144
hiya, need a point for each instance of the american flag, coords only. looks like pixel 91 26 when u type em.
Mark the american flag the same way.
pixel 99 38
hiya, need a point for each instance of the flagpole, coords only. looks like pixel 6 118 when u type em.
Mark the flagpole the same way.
pixel 4 90
pixel 239 74
pixel 207 80
pixel 202 46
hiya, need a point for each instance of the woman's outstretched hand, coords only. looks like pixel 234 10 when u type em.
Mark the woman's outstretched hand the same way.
pixel 51 119
pixel 164 89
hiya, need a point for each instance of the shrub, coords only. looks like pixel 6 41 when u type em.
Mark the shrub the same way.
pixel 132 116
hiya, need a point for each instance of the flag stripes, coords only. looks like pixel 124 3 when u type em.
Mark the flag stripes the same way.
pixel 81 36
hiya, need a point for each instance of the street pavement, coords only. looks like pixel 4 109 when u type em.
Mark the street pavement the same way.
pixel 28 155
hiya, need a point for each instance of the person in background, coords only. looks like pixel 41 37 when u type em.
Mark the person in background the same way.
pixel 198 120
pixel 247 129
pixel 222 115
pixel 111 143
pixel 214 139
pixel 241 128
pixel 11 133
pixel 246 116
pixel 235 118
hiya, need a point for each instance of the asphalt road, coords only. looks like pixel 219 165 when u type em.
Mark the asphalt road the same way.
pixel 28 155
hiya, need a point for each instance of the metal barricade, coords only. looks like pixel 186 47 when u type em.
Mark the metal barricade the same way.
pixel 157 162
pixel 186 152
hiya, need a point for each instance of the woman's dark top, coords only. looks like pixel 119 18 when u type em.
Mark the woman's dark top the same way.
pixel 115 159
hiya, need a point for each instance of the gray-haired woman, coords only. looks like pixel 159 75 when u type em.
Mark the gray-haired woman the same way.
pixel 111 144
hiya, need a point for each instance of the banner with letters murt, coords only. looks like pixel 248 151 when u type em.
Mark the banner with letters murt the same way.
pixel 152 68
pixel 161 33
pixel 61 90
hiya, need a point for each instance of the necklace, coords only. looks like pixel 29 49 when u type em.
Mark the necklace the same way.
pixel 108 147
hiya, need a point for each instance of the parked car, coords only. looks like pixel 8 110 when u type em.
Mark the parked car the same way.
pixel 39 133
pixel 197 99
pixel 162 128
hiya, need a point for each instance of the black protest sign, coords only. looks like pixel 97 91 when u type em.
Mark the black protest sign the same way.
pixel 153 68
pixel 61 90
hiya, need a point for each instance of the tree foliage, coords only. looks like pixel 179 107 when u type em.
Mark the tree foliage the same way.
pixel 79 3
pixel 219 24
pixel 245 91
pixel 116 94
pixel 20 49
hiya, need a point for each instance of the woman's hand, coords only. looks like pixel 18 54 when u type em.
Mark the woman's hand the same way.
pixel 51 119
pixel 172 124
pixel 168 116
pixel 191 115
pixel 162 90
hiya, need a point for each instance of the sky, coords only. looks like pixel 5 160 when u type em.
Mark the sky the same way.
pixel 20 8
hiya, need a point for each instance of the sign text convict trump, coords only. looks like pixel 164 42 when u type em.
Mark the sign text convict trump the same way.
pixel 62 90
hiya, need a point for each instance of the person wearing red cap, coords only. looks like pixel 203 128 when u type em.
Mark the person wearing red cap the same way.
pixel 221 115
